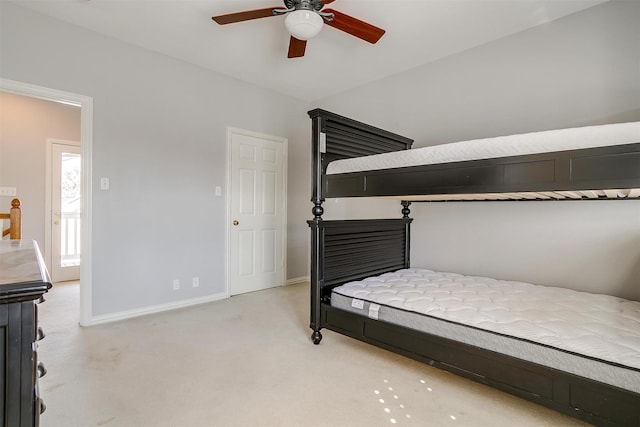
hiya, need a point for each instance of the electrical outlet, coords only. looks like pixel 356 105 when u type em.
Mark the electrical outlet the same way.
pixel 196 282
pixel 176 284
pixel 8 191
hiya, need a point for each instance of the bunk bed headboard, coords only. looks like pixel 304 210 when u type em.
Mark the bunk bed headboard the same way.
pixel 337 137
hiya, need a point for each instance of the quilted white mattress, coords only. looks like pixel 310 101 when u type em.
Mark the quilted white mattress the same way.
pixel 504 146
pixel 595 327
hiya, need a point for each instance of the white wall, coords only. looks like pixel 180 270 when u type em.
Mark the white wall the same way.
pixel 582 69
pixel 590 245
pixel 160 136
pixel 25 125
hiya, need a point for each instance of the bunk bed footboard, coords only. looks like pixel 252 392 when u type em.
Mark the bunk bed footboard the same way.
pixel 342 251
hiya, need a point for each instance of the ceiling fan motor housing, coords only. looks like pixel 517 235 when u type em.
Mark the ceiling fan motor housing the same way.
pixel 304 4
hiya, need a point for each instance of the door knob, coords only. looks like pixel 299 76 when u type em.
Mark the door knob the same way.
pixel 236 222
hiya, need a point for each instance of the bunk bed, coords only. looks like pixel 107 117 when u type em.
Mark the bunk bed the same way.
pixel 360 269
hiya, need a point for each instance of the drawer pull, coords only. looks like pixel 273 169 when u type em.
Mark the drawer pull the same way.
pixel 40 335
pixel 43 407
pixel 42 371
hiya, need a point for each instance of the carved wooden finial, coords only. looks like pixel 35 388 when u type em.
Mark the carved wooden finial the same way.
pixel 405 208
pixel 15 220
pixel 317 210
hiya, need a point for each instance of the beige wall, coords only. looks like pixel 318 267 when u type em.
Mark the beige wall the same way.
pixel 25 125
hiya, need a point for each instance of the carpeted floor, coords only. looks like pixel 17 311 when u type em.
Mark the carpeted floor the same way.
pixel 248 361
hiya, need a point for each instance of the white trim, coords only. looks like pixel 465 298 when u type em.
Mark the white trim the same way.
pixel 227 204
pixel 285 161
pixel 128 314
pixel 298 280
pixel 47 195
pixel 86 153
pixel 47 203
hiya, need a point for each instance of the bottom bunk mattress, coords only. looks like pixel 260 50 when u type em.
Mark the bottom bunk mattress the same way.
pixel 590 335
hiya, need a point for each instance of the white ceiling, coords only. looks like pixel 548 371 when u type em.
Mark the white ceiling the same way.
pixel 418 32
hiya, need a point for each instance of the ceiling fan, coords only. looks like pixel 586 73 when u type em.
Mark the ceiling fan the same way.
pixel 305 19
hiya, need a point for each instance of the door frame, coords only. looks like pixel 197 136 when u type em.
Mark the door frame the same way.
pixel 86 154
pixel 48 202
pixel 228 226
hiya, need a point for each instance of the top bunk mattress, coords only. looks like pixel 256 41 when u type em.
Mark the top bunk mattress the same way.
pixel 486 148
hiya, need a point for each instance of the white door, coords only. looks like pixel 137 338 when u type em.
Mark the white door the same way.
pixel 257 211
pixel 65 211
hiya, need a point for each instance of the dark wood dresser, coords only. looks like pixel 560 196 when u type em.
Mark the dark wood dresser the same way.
pixel 23 282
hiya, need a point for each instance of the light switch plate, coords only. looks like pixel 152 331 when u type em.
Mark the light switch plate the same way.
pixel 104 183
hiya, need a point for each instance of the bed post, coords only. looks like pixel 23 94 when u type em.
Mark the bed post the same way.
pixel 317 256
pixel 407 233
pixel 319 148
pixel 317 231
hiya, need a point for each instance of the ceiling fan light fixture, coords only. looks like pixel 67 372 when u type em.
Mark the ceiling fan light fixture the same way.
pixel 303 24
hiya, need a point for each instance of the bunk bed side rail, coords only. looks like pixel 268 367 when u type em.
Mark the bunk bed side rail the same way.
pixel 601 168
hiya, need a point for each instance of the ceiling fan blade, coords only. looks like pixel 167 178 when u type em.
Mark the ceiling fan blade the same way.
pixel 296 47
pixel 325 2
pixel 354 26
pixel 247 15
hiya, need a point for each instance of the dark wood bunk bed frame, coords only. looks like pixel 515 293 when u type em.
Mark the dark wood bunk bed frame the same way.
pixel 347 250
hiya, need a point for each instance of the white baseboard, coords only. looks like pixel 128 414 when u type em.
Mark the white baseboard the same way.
pixel 297 280
pixel 122 315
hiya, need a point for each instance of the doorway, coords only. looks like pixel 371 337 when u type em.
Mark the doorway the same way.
pixel 257 214
pixel 86 138
pixel 64 198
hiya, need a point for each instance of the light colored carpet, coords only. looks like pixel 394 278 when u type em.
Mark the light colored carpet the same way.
pixel 248 361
